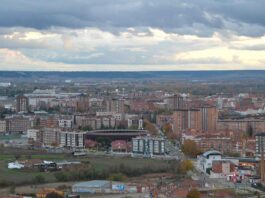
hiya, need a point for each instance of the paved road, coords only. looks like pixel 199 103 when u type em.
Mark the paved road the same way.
pixel 172 149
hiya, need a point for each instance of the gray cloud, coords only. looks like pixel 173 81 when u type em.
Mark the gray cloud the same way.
pixel 200 17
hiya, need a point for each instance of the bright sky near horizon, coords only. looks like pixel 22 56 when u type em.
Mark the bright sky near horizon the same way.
pixel 132 35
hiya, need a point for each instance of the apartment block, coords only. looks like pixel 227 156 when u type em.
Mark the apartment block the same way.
pixel 148 146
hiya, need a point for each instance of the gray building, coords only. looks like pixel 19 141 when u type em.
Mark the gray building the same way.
pixel 149 145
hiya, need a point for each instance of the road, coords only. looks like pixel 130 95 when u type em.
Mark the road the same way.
pixel 170 148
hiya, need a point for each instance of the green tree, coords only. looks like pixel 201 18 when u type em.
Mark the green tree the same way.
pixel 39 179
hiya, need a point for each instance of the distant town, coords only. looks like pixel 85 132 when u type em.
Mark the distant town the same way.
pixel 83 137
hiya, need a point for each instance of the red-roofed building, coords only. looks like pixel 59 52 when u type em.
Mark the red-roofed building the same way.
pixel 119 146
pixel 90 143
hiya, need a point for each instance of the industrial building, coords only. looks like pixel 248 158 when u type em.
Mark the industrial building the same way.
pixel 98 186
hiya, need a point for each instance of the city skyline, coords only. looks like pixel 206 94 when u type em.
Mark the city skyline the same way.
pixel 132 36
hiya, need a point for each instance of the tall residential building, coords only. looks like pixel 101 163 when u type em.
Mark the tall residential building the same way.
pixel 83 103
pixel 115 105
pixel 201 119
pixel 208 116
pixel 175 102
pixel 184 119
pixel 22 103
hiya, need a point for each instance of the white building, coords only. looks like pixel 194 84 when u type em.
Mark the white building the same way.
pixel 2 126
pixel 72 139
pixel 205 161
pixel 65 123
pixel 149 145
pixel 33 134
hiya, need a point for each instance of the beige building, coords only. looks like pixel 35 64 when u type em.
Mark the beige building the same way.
pixel 115 105
pixel 22 103
pixel 208 118
pixel 184 119
pixel 17 124
pixel 51 136
pixel 201 119
pixel 257 125
pixel 2 126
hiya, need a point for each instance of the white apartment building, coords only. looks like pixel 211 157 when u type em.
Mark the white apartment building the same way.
pixel 2 126
pixel 149 145
pixel 72 139
pixel 65 123
pixel 33 134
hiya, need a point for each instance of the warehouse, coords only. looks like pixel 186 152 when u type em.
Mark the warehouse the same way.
pixel 97 186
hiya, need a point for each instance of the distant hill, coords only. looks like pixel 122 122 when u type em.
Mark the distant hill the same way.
pixel 170 75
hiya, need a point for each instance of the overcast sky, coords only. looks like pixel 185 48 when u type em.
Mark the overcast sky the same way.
pixel 110 35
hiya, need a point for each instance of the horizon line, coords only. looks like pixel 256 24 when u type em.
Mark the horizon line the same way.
pixel 217 70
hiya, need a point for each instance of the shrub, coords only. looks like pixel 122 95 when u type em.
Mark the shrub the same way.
pixel 38 179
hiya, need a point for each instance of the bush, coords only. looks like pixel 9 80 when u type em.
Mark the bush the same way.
pixel 54 195
pixel 194 193
pixel 61 176
pixel 190 148
pixel 4 183
pixel 185 166
pixel 117 177
pixel 38 179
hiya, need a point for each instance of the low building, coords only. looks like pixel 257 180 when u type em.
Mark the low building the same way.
pixel 33 134
pixel 205 161
pixel 148 145
pixel 65 123
pixel 222 168
pixel 119 146
pixel 17 124
pixel 95 186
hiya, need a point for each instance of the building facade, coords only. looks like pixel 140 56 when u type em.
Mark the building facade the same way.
pixel 2 126
pixel 17 124
pixel 72 139
pixel 148 146
pixel 184 119
pixel 22 103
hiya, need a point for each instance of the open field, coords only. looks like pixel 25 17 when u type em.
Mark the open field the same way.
pixel 10 137
pixel 99 163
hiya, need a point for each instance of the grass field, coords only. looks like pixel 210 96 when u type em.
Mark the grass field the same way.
pixel 100 162
pixel 10 137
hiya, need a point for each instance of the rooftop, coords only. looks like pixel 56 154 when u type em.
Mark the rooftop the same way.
pixel 211 152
